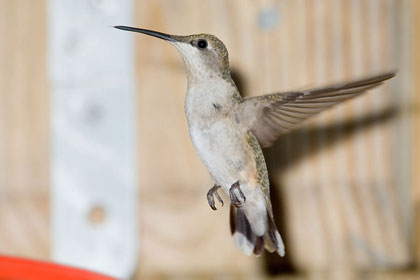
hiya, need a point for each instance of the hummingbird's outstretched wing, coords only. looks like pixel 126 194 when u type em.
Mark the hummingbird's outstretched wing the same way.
pixel 269 116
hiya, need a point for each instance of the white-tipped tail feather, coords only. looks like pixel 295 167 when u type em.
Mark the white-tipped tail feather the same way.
pixel 248 241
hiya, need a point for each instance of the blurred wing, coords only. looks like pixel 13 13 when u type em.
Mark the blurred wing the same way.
pixel 269 116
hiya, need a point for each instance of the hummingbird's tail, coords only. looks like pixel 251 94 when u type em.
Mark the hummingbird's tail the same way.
pixel 250 242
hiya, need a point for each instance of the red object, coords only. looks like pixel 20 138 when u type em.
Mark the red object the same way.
pixel 24 269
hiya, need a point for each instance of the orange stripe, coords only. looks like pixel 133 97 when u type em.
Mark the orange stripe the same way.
pixel 19 268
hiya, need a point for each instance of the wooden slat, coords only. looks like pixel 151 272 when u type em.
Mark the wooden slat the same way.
pixel 24 126
pixel 23 91
pixel 415 29
pixel 25 226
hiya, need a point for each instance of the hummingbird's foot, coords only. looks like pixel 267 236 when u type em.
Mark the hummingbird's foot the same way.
pixel 234 198
pixel 210 197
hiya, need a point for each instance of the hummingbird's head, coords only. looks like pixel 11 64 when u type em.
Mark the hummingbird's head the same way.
pixel 205 56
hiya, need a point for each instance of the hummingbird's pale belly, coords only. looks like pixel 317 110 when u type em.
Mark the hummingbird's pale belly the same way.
pixel 225 152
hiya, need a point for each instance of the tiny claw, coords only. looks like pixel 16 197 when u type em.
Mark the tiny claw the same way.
pixel 210 197
pixel 213 207
pixel 233 197
pixel 219 198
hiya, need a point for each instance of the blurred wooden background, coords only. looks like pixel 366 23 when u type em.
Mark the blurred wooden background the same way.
pixel 24 129
pixel 345 187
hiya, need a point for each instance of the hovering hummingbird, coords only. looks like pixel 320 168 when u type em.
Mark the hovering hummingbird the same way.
pixel 228 132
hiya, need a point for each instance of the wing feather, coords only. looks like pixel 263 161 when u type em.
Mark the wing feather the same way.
pixel 269 116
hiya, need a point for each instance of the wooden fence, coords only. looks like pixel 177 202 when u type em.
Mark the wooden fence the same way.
pixel 345 186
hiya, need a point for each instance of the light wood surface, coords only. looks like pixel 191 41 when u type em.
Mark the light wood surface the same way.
pixel 345 187
pixel 24 130
pixel 416 126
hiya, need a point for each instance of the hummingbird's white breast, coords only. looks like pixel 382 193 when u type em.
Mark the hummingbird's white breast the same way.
pixel 216 135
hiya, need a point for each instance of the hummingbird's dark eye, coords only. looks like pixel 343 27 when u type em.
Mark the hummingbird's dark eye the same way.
pixel 202 44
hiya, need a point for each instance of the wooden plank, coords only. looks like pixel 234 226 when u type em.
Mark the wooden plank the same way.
pixel 24 92
pixel 25 226
pixel 415 29
pixel 24 130
pixel 93 136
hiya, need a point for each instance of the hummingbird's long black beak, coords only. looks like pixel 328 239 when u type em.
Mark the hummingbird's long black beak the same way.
pixel 160 35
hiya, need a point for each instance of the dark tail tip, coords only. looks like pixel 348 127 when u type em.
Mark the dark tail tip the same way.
pixel 250 243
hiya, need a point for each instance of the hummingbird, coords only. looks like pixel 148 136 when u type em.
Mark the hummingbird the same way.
pixel 229 132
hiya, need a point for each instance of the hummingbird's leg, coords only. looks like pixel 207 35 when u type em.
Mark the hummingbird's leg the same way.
pixel 210 196
pixel 233 198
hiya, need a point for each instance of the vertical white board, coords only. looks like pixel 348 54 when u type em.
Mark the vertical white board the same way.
pixel 91 71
